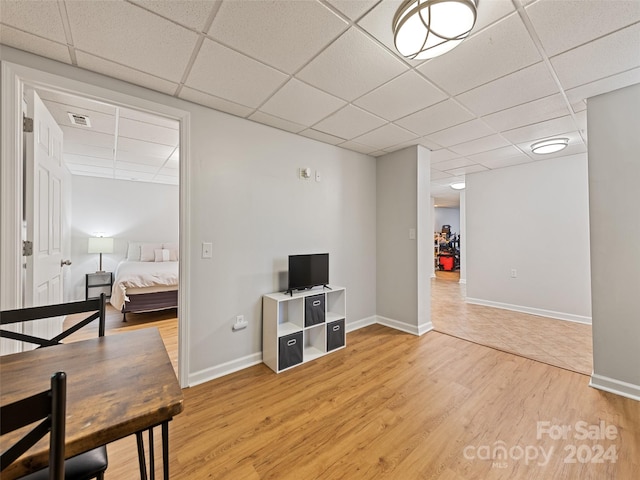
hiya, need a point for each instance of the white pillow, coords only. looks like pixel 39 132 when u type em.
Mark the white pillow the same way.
pixel 147 251
pixel 173 251
pixel 133 251
pixel 161 255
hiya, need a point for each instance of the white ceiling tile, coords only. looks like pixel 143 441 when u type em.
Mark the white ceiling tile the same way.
pixel 301 103
pixel 242 80
pixel 190 13
pixel 467 170
pixel 145 131
pixel 321 136
pixel 141 157
pixel 42 17
pixel 276 122
pixel 498 154
pixel 446 181
pixel 514 89
pixel 89 170
pixel 461 133
pixel 537 131
pixel 493 163
pixel 589 19
pixel 528 114
pixel 352 66
pixel 110 29
pixel 100 122
pixel 214 102
pixel 490 142
pixel 378 153
pixel 135 176
pixel 498 50
pixel 442 155
pixel 358 147
pixel 353 8
pixel 149 118
pixel 386 136
pixel 142 148
pixel 166 180
pixel 607 56
pixel 84 104
pixel 437 117
pixel 349 122
pixel 88 160
pixel 490 12
pixel 425 142
pixel 106 67
pixel 437 175
pixel 81 150
pixel 88 137
pixel 604 85
pixel 451 164
pixel 402 96
pixel 285 35
pixel 137 167
pixel 30 43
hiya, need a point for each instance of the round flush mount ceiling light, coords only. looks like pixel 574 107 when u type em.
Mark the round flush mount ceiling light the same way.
pixel 427 28
pixel 458 186
pixel 550 146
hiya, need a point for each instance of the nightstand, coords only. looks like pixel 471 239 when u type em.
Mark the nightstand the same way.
pixel 97 283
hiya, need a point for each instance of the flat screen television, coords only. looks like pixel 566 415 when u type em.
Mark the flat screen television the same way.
pixel 308 271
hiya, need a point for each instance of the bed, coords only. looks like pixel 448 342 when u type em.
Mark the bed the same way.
pixel 147 280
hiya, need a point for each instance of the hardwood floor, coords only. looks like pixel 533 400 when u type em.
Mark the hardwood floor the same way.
pixel 392 405
pixel 556 342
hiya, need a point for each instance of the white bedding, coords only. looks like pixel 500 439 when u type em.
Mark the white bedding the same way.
pixel 142 277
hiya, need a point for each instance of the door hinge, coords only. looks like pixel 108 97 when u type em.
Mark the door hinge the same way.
pixel 27 248
pixel 27 125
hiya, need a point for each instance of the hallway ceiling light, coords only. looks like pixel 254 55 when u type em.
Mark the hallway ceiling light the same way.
pixel 549 146
pixel 428 28
pixel 458 186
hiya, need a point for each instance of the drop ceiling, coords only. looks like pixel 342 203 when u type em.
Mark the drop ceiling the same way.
pixel 327 69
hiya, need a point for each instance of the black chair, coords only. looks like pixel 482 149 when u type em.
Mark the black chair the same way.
pixel 90 464
pixel 49 407
pixel 96 305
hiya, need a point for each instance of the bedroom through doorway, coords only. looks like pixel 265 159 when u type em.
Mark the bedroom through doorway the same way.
pixel 122 187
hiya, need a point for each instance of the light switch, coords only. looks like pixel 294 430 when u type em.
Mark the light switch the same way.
pixel 318 176
pixel 207 250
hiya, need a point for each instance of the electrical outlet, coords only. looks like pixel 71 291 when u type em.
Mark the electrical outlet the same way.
pixel 207 250
pixel 240 323
pixel 514 273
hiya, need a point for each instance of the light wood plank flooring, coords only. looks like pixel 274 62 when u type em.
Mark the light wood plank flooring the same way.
pixel 392 405
pixel 556 342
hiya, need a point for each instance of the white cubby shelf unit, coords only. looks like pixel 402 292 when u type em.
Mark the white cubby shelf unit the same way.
pixel 301 327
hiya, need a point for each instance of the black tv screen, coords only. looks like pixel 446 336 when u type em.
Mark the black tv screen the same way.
pixel 307 271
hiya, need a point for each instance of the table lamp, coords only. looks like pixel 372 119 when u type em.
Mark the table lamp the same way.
pixel 100 245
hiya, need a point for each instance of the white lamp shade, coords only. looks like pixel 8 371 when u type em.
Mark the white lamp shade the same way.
pixel 100 245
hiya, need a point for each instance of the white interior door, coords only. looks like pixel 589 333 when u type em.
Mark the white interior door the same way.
pixel 44 204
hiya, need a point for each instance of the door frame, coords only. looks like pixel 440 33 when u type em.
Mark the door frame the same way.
pixel 13 78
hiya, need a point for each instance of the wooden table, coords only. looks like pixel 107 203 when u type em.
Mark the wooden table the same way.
pixel 117 385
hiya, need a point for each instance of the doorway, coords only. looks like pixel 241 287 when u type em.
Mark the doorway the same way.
pixel 16 79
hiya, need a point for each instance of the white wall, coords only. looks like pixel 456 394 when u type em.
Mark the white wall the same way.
pixel 404 263
pixel 447 216
pixel 614 171
pixel 533 218
pixel 124 210
pixel 246 198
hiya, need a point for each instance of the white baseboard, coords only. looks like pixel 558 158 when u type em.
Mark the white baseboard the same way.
pixel 618 387
pixel 224 369
pixel 365 322
pixel 463 281
pixel 403 327
pixel 569 317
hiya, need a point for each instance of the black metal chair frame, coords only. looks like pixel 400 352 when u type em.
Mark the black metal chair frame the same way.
pixel 8 317
pixel 48 406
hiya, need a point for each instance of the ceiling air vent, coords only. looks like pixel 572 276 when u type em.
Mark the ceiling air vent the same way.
pixel 78 119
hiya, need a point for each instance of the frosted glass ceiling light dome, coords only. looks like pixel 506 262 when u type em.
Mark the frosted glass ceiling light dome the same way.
pixel 427 28
pixel 458 186
pixel 550 146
